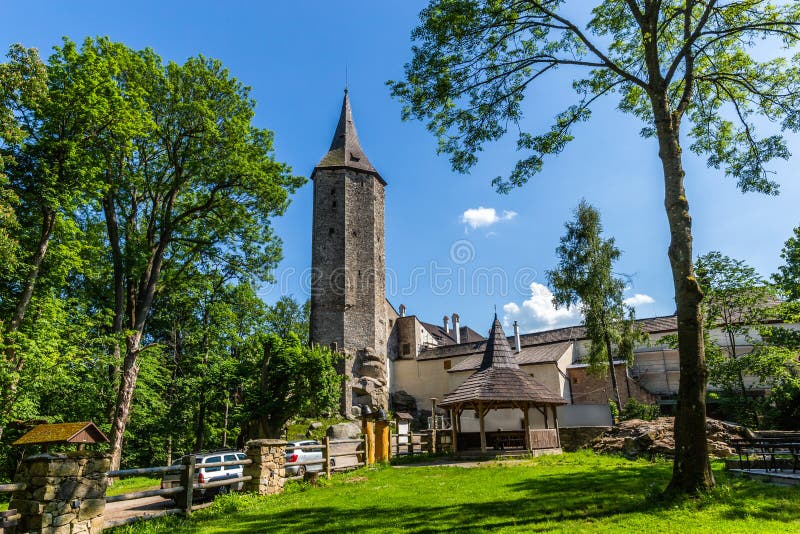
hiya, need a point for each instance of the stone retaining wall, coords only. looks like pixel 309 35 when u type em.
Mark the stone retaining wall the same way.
pixel 65 492
pixel 267 469
pixel 575 438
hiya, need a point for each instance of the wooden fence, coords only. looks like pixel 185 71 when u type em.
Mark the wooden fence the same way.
pixel 349 452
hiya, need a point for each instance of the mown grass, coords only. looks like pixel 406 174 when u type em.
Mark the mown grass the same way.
pixel 580 492
pixel 129 485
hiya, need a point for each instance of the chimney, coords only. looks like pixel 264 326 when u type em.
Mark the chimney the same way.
pixel 517 343
pixel 402 310
pixel 457 328
pixel 446 321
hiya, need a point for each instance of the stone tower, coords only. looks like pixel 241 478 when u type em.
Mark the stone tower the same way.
pixel 348 282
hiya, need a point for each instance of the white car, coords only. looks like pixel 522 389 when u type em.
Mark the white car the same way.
pixel 296 453
pixel 203 475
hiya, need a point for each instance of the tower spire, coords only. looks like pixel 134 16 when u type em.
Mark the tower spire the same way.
pixel 345 150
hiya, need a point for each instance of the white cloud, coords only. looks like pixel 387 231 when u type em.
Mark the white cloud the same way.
pixel 639 299
pixel 538 312
pixel 480 217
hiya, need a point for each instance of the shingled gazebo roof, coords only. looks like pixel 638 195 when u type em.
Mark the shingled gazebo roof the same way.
pixel 500 381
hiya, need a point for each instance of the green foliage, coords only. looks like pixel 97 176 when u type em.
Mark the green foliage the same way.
pixel 286 378
pixel 584 278
pixel 136 200
pixel 475 61
pixel 639 410
pixel 738 302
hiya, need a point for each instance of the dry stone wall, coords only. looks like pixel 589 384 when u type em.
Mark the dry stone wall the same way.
pixel 268 467
pixel 65 493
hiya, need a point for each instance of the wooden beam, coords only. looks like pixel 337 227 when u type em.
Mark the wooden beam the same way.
pixel 527 425
pixel 545 416
pixel 483 431
pixel 453 433
pixel 555 423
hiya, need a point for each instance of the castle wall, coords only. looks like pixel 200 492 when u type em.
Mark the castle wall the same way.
pixel 348 304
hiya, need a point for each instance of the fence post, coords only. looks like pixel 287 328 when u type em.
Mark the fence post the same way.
pixel 410 443
pixel 187 482
pixel 328 457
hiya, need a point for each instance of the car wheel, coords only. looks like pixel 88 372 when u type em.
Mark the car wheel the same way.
pixel 333 462
pixel 223 490
pixel 301 470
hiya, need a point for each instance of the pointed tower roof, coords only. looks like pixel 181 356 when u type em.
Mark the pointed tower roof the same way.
pixel 346 151
pixel 498 352
pixel 499 380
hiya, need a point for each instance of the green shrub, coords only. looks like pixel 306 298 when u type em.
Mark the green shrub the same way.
pixel 638 410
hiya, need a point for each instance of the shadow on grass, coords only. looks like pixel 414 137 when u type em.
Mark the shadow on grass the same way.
pixel 538 504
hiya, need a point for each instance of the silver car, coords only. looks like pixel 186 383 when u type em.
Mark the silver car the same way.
pixel 296 453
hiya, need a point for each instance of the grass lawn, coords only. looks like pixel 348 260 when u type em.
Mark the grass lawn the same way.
pixel 580 492
pixel 131 484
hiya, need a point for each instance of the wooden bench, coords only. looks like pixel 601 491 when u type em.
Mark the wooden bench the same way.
pixel 770 450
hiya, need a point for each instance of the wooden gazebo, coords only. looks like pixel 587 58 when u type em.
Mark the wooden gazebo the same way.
pixel 499 383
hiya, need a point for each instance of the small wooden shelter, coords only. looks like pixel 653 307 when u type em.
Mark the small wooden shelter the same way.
pixel 499 383
pixel 80 434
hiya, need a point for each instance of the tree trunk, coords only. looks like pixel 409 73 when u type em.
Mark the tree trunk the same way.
pixel 130 373
pixel 112 227
pixel 692 469
pixel 612 370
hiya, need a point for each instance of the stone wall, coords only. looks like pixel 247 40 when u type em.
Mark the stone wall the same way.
pixel 65 493
pixel 348 292
pixel 268 471
pixel 576 438
pixel 588 388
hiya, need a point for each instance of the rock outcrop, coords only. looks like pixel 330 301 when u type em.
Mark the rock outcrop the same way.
pixel 343 431
pixel 637 438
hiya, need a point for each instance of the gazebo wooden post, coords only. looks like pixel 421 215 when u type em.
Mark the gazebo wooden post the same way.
pixel 483 432
pixel 454 433
pixel 527 424
pixel 555 424
pixel 544 412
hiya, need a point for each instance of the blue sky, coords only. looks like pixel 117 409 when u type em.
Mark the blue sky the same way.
pixel 441 257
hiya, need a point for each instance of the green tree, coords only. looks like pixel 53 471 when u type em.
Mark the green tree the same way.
pixel 54 122
pixel 584 278
pixel 287 315
pixel 288 379
pixel 737 302
pixel 199 186
pixel 669 62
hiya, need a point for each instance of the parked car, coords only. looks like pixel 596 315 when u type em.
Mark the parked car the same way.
pixel 204 475
pixel 295 452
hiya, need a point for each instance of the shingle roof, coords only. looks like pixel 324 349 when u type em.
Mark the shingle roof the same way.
pixel 345 148
pixel 61 433
pixel 438 332
pixel 499 378
pixel 527 356
pixel 652 325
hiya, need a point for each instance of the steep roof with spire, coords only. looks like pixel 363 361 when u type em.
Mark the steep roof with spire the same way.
pixel 346 151
pixel 500 380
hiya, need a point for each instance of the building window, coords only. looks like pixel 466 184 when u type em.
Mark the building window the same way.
pixel 575 380
pixel 448 364
pixel 391 322
pixel 406 349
